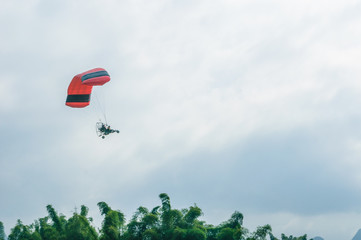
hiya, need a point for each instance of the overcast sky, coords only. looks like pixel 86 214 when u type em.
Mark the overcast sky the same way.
pixel 249 105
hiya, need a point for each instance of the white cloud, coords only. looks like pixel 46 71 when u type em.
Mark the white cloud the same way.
pixel 8 95
pixel 240 87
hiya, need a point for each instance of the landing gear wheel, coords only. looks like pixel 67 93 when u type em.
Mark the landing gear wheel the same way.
pixel 98 126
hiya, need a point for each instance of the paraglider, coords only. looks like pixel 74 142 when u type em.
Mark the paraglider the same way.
pixel 79 92
pixel 80 88
pixel 104 129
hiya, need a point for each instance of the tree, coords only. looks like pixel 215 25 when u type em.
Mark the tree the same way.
pixel 236 220
pixel 58 223
pixel 284 237
pixel 170 218
pixel 78 227
pixel 195 234
pixel 23 232
pixel 144 224
pixel 226 234
pixel 161 223
pixel 2 232
pixel 192 214
pixel 261 232
pixel 47 231
pixel 165 202
pixel 112 223
pixel 231 229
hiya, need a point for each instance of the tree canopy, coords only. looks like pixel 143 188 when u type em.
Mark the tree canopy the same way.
pixel 161 223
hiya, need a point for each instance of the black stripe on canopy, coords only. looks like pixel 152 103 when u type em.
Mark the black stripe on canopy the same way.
pixel 78 98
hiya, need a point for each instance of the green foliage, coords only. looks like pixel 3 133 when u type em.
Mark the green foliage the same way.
pixel 241 233
pixel 179 234
pixel 47 231
pixel 78 227
pixel 284 237
pixel 84 211
pixel 143 225
pixel 58 222
pixel 165 202
pixel 226 234
pixel 161 223
pixel 195 234
pixel 192 214
pixel 112 223
pixel 104 208
pixel 231 229
pixel 261 233
pixel 236 220
pixel 2 231
pixel 212 232
pixel 23 232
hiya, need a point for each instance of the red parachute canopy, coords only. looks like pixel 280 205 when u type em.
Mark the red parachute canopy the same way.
pixel 81 86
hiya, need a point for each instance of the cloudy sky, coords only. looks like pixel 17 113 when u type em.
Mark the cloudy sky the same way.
pixel 249 105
